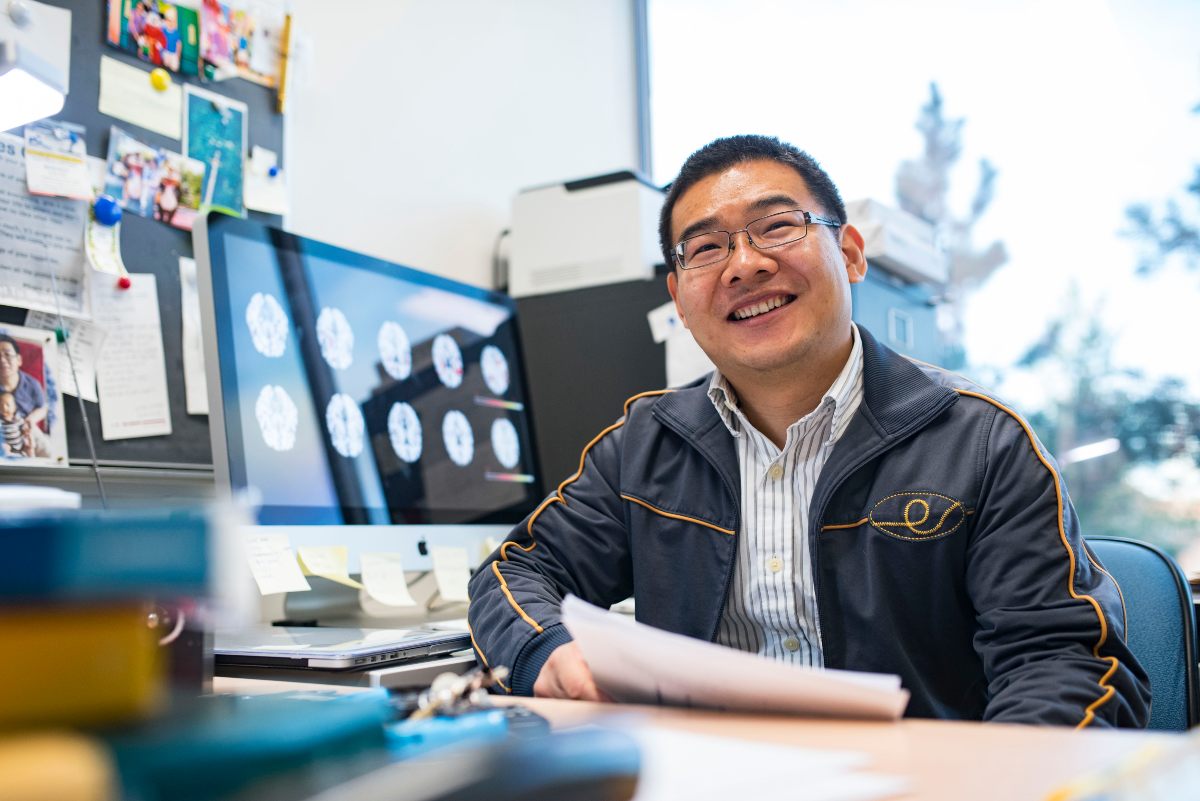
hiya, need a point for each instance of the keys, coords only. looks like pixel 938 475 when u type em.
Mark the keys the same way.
pixel 453 694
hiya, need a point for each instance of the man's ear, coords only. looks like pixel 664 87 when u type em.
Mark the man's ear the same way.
pixel 673 288
pixel 852 250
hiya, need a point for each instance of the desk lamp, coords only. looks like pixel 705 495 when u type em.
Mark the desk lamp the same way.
pixel 30 88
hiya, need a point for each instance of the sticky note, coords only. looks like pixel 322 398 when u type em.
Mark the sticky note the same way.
pixel 383 579
pixel 126 93
pixel 273 564
pixel 451 571
pixel 329 562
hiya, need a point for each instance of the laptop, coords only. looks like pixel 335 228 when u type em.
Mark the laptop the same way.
pixel 320 648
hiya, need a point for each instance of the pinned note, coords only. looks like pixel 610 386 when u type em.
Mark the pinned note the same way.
pixel 451 571
pixel 131 374
pixel 329 562
pixel 127 94
pixel 76 368
pixel 383 579
pixel 195 383
pixel 273 564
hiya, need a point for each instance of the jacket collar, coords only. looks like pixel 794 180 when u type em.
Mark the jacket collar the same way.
pixel 897 396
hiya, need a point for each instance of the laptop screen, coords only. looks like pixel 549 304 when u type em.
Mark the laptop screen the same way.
pixel 355 390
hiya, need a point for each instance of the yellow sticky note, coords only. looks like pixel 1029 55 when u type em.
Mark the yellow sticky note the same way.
pixel 383 577
pixel 329 562
pixel 452 571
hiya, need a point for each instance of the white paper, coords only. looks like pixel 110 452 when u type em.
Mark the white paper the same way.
pixel 131 376
pixel 262 191
pixel 664 321
pixel 451 571
pixel 56 160
pixel 41 242
pixel 383 579
pixel 736 768
pixel 273 564
pixel 195 381
pixel 636 663
pixel 102 244
pixel 126 93
pixel 83 340
pixel 329 562
pixel 685 360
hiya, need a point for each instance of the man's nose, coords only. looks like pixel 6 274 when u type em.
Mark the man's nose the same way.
pixel 745 261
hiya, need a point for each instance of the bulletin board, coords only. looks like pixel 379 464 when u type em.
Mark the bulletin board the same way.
pixel 147 246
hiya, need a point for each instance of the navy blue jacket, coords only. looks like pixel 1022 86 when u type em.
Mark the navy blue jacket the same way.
pixel 945 550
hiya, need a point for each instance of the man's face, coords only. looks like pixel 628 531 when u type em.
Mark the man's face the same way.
pixel 806 283
pixel 10 359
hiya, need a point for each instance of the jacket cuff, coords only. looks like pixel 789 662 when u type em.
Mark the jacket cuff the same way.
pixel 535 653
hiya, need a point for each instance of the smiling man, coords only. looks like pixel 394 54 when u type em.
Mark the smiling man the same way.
pixel 818 499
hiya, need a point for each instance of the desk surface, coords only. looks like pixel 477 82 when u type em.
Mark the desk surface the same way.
pixel 946 761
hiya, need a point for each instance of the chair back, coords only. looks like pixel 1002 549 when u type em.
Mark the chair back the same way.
pixel 1161 630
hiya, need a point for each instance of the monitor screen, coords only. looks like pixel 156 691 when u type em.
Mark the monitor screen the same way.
pixel 350 390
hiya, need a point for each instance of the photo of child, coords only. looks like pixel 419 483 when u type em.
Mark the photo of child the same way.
pixel 16 441
pixel 164 34
pixel 152 182
pixel 244 38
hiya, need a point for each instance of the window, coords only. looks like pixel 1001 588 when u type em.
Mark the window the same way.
pixel 1058 120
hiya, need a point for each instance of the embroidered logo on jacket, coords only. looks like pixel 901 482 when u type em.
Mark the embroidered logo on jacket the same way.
pixel 917 515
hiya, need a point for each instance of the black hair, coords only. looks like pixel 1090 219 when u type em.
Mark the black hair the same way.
pixel 721 154
pixel 6 338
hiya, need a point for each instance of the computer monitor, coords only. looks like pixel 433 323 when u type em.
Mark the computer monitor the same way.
pixel 361 402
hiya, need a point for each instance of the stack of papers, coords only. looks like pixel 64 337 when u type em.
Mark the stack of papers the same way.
pixel 636 663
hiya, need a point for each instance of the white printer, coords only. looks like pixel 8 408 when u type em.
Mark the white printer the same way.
pixel 593 231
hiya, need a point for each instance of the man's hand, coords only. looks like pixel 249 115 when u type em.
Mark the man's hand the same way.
pixel 566 675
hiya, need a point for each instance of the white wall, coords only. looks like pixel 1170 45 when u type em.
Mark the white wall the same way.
pixel 412 123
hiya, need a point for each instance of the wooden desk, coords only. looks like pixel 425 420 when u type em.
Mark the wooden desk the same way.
pixel 947 761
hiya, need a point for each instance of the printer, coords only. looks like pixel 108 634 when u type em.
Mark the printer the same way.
pixel 593 231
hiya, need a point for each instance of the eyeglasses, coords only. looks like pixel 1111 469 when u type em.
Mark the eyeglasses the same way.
pixel 771 231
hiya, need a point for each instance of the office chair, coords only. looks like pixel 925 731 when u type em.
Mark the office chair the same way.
pixel 1161 626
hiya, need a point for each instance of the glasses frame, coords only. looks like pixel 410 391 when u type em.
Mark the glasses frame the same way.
pixel 809 219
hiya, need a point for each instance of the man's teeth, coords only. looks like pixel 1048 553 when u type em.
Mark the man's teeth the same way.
pixel 759 308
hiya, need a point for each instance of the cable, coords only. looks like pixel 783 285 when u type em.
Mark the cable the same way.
pixel 87 427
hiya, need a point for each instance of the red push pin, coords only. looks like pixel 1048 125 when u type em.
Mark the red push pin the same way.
pixel 124 282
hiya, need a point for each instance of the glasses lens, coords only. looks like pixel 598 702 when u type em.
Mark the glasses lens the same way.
pixel 778 229
pixel 704 249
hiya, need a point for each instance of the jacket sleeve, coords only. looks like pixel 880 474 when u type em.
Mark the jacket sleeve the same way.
pixel 1051 630
pixel 575 542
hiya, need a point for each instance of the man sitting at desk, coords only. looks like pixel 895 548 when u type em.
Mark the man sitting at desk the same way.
pixel 819 499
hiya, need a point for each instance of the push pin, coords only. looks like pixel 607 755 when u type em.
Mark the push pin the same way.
pixel 160 79
pixel 124 282
pixel 61 334
pixel 273 171
pixel 107 210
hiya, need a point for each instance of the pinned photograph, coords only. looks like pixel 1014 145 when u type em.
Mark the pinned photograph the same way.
pixel 164 34
pixel 152 182
pixel 31 414
pixel 243 39
pixel 56 160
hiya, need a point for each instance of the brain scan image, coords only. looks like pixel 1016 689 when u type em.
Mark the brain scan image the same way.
pixel 277 418
pixel 505 443
pixel 335 337
pixel 457 436
pixel 404 431
pixel 395 352
pixel 495 369
pixel 447 361
pixel 345 422
pixel 268 324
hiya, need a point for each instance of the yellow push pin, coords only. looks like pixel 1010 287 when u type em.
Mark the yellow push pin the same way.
pixel 160 79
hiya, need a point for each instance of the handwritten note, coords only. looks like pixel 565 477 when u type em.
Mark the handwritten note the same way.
pixel 273 564
pixel 41 242
pixel 131 374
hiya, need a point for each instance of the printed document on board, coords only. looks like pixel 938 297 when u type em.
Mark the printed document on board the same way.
pixel 636 663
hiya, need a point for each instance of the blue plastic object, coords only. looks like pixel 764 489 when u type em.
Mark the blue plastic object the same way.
pixel 107 210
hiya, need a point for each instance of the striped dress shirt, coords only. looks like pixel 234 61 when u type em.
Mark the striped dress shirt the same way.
pixel 772 607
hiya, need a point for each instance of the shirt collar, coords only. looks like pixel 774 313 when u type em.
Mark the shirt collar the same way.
pixel 843 394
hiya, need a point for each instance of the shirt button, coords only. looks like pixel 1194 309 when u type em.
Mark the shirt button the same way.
pixel 792 644
pixel 776 472
pixel 775 563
